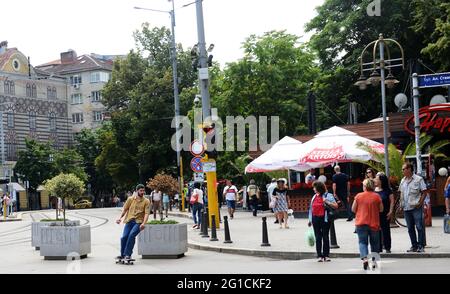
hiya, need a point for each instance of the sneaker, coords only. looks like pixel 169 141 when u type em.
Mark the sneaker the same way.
pixel 365 265
pixel 412 249
pixel 326 259
pixel 320 259
pixel 127 258
pixel 119 257
pixel 388 251
pixel 276 222
pixel 420 250
pixel 349 219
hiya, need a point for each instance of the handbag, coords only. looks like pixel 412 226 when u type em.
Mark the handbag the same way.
pixel 194 199
pixel 273 202
pixel 331 212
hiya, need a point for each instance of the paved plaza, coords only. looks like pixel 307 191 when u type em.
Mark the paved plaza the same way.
pixel 19 257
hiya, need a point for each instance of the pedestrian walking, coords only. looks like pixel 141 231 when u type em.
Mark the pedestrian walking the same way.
pixel 367 206
pixel 270 187
pixel 447 196
pixel 230 192
pixel 156 203
pixel 383 189
pixel 318 218
pixel 254 195
pixel 166 203
pixel 341 190
pixel 282 203
pixel 412 188
pixel 196 201
pixel 136 212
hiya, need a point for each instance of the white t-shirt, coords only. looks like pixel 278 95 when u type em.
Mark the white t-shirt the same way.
pixel 270 189
pixel 157 196
pixel 200 195
pixel 231 192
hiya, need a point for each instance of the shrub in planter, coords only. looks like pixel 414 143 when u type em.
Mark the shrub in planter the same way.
pixel 59 241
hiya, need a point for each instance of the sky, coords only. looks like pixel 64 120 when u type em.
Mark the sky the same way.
pixel 45 28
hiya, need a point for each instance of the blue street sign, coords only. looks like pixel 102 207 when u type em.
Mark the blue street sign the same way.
pixel 434 80
pixel 196 165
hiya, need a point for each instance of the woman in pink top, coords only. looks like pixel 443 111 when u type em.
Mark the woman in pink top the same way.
pixel 367 207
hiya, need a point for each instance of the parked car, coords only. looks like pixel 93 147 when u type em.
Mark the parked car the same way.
pixel 83 204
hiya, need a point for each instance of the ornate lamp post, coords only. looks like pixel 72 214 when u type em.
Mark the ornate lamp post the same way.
pixel 378 68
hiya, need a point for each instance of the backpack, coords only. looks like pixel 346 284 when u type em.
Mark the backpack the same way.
pixel 252 190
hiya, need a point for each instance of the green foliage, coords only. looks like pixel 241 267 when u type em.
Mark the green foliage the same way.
pixel 65 186
pixel 34 164
pixel 163 222
pixel 426 147
pixel 70 161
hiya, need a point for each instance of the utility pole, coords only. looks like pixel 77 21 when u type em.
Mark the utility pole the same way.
pixel 203 73
pixel 415 88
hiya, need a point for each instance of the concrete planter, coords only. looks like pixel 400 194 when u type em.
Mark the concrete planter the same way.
pixel 36 230
pixel 163 241
pixel 59 242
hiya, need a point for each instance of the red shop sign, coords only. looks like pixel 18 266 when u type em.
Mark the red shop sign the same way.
pixel 433 119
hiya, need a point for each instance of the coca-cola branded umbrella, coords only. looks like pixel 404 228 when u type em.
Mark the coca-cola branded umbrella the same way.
pixel 336 145
pixel 282 156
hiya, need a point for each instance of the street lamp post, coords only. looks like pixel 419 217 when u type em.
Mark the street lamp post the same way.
pixel 173 54
pixel 375 77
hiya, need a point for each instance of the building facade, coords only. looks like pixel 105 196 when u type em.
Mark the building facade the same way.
pixel 33 104
pixel 86 76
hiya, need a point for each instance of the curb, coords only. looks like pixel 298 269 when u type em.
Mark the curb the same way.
pixel 292 255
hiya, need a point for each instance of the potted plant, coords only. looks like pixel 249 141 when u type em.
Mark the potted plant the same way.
pixel 65 238
pixel 163 239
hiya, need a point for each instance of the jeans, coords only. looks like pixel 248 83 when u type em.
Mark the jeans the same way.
pixel 128 239
pixel 364 234
pixel 197 211
pixel 321 232
pixel 414 219
pixel 254 204
pixel 385 239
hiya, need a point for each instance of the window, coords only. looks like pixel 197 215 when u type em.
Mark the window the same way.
pixel 52 121
pixel 34 91
pixel 32 119
pixel 9 88
pixel 76 99
pixel 96 96
pixel 54 93
pixel 49 92
pixel 10 119
pixel 75 80
pixel 100 76
pixel 98 116
pixel 77 118
pixel 28 90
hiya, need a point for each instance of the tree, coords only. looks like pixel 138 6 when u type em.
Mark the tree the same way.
pixel 35 164
pixel 70 161
pixel 432 20
pixel 140 97
pixel 164 183
pixel 341 30
pixel 65 186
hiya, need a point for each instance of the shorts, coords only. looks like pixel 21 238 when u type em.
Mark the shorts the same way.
pixel 231 204
pixel 165 205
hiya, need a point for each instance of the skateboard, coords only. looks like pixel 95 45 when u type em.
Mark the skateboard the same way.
pixel 125 261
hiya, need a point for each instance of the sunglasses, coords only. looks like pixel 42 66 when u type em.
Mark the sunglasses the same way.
pixel 368 172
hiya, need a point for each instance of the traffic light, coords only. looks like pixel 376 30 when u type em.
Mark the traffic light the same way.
pixel 210 140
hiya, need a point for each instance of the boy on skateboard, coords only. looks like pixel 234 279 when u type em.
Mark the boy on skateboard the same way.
pixel 136 210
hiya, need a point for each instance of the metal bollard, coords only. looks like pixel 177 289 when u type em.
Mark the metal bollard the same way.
pixel 202 229
pixel 213 229
pixel 227 231
pixel 204 225
pixel 265 236
pixel 333 241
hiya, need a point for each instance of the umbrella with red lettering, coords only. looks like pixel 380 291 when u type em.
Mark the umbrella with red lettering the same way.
pixel 336 145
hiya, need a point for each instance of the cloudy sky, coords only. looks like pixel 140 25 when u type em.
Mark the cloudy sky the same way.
pixel 42 29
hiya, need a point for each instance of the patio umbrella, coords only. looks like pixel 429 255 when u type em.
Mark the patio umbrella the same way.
pixel 336 145
pixel 282 156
